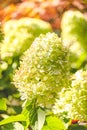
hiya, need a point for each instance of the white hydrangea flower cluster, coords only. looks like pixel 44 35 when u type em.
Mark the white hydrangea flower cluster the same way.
pixel 74 30
pixel 74 100
pixel 74 36
pixel 44 70
pixel 19 35
pixel 62 104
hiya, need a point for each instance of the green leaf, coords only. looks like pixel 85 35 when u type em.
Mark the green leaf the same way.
pixel 3 104
pixel 34 115
pixel 26 112
pixel 11 119
pixel 41 118
pixel 46 128
pixel 9 126
pixel 53 123
pixel 77 127
pixel 12 126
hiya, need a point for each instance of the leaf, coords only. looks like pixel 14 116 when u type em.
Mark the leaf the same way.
pixel 7 127
pixel 34 115
pixel 11 119
pixel 53 123
pixel 46 128
pixel 3 104
pixel 30 112
pixel 12 126
pixel 77 127
pixel 41 118
pixel 26 112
